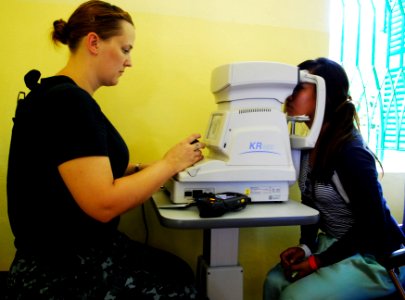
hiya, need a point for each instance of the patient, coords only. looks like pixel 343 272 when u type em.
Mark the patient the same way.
pixel 342 256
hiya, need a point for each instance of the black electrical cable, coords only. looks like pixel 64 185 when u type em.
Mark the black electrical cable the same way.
pixel 145 223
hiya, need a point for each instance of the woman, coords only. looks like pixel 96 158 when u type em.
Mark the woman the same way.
pixel 69 178
pixel 342 256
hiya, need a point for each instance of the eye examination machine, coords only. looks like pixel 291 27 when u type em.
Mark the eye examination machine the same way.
pixel 251 147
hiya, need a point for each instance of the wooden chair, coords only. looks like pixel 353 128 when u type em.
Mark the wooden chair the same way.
pixel 396 260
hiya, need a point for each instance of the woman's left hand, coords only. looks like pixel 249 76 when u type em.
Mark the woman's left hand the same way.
pixel 299 270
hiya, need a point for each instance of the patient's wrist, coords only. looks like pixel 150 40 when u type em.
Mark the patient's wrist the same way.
pixel 306 249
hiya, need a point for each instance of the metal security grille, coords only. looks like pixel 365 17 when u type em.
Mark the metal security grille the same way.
pixel 369 41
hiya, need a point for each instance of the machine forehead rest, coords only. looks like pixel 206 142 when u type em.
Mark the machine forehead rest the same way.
pixel 255 74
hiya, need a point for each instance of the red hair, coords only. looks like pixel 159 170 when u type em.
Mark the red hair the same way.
pixel 96 16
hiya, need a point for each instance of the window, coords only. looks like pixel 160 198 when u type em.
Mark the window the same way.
pixel 368 38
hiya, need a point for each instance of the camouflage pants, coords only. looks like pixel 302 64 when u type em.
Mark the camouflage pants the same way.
pixel 128 270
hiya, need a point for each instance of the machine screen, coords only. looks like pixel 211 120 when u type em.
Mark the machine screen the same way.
pixel 214 126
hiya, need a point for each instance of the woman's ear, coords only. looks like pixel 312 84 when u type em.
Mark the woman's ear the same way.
pixel 93 42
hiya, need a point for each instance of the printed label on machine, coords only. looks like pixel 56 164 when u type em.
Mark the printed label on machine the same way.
pixel 273 192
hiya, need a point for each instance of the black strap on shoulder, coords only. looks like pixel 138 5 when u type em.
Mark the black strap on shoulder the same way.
pixel 31 81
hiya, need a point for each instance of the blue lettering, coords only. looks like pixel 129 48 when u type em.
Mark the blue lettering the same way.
pixel 260 147
pixel 255 146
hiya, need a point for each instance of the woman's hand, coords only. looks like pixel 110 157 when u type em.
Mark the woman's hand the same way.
pixel 291 256
pixel 295 264
pixel 185 153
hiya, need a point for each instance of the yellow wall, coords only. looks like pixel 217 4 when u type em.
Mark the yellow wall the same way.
pixel 166 96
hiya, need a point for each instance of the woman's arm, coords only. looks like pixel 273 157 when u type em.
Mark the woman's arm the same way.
pixel 134 168
pixel 91 181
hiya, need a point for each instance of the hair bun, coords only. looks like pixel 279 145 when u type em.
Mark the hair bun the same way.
pixel 60 32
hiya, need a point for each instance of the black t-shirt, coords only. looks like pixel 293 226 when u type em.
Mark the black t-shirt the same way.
pixel 57 122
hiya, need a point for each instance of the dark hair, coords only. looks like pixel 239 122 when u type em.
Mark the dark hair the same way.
pixel 340 114
pixel 95 16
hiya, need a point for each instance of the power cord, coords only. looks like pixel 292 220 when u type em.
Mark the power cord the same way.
pixel 145 224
